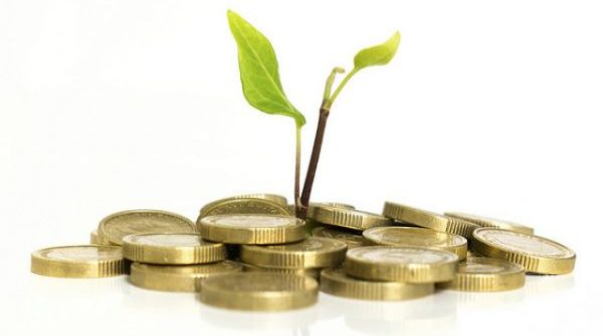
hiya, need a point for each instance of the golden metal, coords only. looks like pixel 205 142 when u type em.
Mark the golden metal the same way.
pixel 115 227
pixel 401 264
pixel 348 218
pixel 253 229
pixel 259 291
pixel 491 222
pixel 536 254
pixel 429 219
pixel 337 282
pixel 178 278
pixel 313 252
pixel 418 237
pixel 236 206
pixel 172 249
pixel 487 275
pixel 311 272
pixel 97 239
pixel 350 238
pixel 80 261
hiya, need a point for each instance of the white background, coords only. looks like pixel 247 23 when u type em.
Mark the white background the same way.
pixel 490 107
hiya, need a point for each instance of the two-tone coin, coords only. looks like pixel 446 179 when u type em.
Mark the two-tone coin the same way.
pixel 81 261
pixel 348 218
pixel 487 275
pixel 491 222
pixel 253 229
pixel 172 249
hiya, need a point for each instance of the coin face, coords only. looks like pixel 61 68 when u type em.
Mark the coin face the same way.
pixel 488 266
pixel 167 240
pixel 81 253
pixel 115 227
pixel 523 243
pixel 492 222
pixel 252 221
pixel 352 240
pixel 309 245
pixel 401 255
pixel 84 261
pixel 406 236
pixel 243 206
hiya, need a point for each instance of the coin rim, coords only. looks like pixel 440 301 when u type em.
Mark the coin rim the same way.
pixel 43 265
pixel 348 218
pixel 251 235
pixel 509 279
pixel 491 222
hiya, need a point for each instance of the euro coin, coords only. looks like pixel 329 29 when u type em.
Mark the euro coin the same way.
pixel 243 206
pixel 83 261
pixel 97 239
pixel 348 218
pixel 253 229
pixel 491 222
pixel 351 238
pixel 487 275
pixel 401 264
pixel 311 272
pixel 536 254
pixel 172 249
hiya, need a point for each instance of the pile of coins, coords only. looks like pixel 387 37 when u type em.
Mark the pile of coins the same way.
pixel 249 252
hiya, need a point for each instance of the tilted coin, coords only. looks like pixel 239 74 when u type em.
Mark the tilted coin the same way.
pixel 401 264
pixel 491 222
pixel 97 239
pixel 351 238
pixel 243 206
pixel 81 261
pixel 487 275
pixel 311 272
pixel 115 227
pixel 407 236
pixel 172 249
pixel 255 229
pixel 428 219
pixel 313 252
pixel 337 282
pixel 348 218
pixel 536 254
pixel 178 278
pixel 336 205
pixel 259 291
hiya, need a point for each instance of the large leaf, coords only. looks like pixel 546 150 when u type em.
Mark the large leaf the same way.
pixel 259 70
pixel 377 55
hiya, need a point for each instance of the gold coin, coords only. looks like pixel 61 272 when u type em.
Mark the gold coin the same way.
pixel 348 218
pixel 536 254
pixel 338 283
pixel 259 291
pixel 428 219
pixel 491 222
pixel 97 239
pixel 115 227
pixel 178 278
pixel 312 252
pixel 243 206
pixel 349 238
pixel 82 261
pixel 253 229
pixel 487 275
pixel 401 264
pixel 172 249
pixel 407 236
pixel 336 205
pixel 311 272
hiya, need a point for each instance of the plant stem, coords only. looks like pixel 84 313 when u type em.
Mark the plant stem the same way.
pixel 297 166
pixel 341 85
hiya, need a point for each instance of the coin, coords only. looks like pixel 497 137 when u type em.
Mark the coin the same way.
pixel 82 261
pixel 351 238
pixel 178 278
pixel 253 229
pixel 313 252
pixel 172 249
pixel 428 219
pixel 97 239
pixel 338 283
pixel 243 206
pixel 259 291
pixel 487 275
pixel 115 227
pixel 311 272
pixel 491 222
pixel 401 264
pixel 348 218
pixel 536 254
pixel 407 236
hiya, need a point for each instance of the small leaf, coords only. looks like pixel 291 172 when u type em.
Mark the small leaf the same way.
pixel 258 68
pixel 377 55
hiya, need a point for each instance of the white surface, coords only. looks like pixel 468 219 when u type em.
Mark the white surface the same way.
pixel 490 107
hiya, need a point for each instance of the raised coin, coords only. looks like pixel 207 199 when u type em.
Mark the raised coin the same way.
pixel 337 282
pixel 536 254
pixel 255 229
pixel 178 278
pixel 115 227
pixel 313 252
pixel 351 238
pixel 172 249
pixel 259 291
pixel 347 218
pixel 491 222
pixel 407 236
pixel 487 275
pixel 235 206
pixel 97 239
pixel 401 264
pixel 81 261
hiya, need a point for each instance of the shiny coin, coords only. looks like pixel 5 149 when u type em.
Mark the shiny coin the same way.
pixel 428 219
pixel 536 254
pixel 259 291
pixel 487 275
pixel 337 282
pixel 172 249
pixel 178 278
pixel 252 229
pixel 243 206
pixel 418 237
pixel 311 272
pixel 116 226
pixel 491 222
pixel 336 205
pixel 97 239
pixel 85 261
pixel 347 218
pixel 350 238
pixel 401 264
pixel 312 252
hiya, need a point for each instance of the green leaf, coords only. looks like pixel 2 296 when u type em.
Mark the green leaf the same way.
pixel 377 55
pixel 258 68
